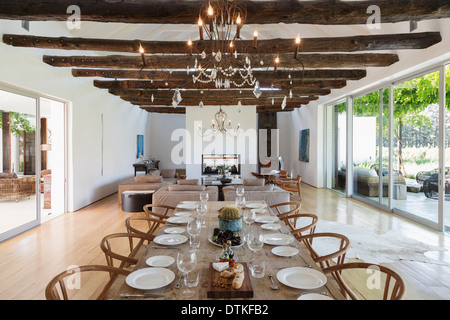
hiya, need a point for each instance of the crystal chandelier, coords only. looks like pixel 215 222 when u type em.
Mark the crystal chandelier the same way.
pixel 219 124
pixel 227 65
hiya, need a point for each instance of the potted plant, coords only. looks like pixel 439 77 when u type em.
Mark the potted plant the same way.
pixel 230 218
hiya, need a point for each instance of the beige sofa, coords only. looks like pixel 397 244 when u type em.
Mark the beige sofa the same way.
pixel 173 194
pixel 155 180
pixel 366 181
pixel 269 193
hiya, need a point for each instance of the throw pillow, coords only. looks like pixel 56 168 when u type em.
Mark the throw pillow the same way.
pixel 177 187
pixel 189 182
pixel 168 173
pixel 253 182
pixel 148 179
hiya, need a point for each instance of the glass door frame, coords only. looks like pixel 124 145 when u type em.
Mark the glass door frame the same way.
pixel 37 97
pixel 439 225
pixel 441 68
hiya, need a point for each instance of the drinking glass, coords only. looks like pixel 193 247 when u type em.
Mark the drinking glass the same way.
pixel 194 241
pixel 249 216
pixel 191 278
pixel 255 240
pixel 204 196
pixel 201 214
pixel 240 191
pixel 257 266
pixel 240 202
pixel 186 262
pixel 194 227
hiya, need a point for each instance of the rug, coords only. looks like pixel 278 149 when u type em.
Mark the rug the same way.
pixel 374 248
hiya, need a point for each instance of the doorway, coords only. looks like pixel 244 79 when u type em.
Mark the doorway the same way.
pixel 32 164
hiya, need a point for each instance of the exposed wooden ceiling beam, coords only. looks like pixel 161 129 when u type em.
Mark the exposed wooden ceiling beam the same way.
pixel 259 12
pixel 280 75
pixel 310 61
pixel 215 93
pixel 335 44
pixel 164 109
pixel 146 84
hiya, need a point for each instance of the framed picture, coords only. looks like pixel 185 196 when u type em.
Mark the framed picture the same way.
pixel 140 146
pixel 303 154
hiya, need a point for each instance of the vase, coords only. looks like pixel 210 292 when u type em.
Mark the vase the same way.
pixel 232 225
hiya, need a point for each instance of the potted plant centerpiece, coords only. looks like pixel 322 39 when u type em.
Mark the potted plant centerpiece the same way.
pixel 230 218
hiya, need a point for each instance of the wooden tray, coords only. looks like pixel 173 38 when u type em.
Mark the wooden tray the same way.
pixel 246 291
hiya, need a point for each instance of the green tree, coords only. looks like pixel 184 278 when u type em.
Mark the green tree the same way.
pixel 411 98
pixel 19 123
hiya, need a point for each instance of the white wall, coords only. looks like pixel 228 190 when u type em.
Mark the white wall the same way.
pixel 245 144
pixel 96 166
pixel 290 124
pixel 160 128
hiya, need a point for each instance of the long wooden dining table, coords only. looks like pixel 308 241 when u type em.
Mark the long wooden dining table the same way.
pixel 207 254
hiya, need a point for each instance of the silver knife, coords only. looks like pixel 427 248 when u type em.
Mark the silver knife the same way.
pixel 158 247
pixel 145 295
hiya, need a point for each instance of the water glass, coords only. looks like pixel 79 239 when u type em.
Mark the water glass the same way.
pixel 201 214
pixel 257 267
pixel 240 202
pixel 204 196
pixel 194 241
pixel 240 191
pixel 191 279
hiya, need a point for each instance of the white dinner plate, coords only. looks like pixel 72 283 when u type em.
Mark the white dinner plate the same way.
pixel 284 251
pixel 255 205
pixel 266 219
pixel 160 261
pixel 170 239
pixel 259 211
pixel 278 239
pixel 174 230
pixel 301 278
pixel 150 278
pixel 179 220
pixel 186 206
pixel 271 226
pixel 190 202
pixel 314 296
pixel 183 214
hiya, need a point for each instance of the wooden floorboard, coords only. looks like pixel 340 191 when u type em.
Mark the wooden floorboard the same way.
pixel 29 260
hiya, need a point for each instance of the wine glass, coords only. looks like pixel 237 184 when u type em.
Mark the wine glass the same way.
pixel 255 239
pixel 240 191
pixel 186 262
pixel 249 216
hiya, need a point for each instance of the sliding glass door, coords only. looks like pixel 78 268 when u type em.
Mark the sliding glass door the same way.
pixel 336 147
pixel 397 148
pixel 416 147
pixel 33 161
pixel 371 146
pixel 18 181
